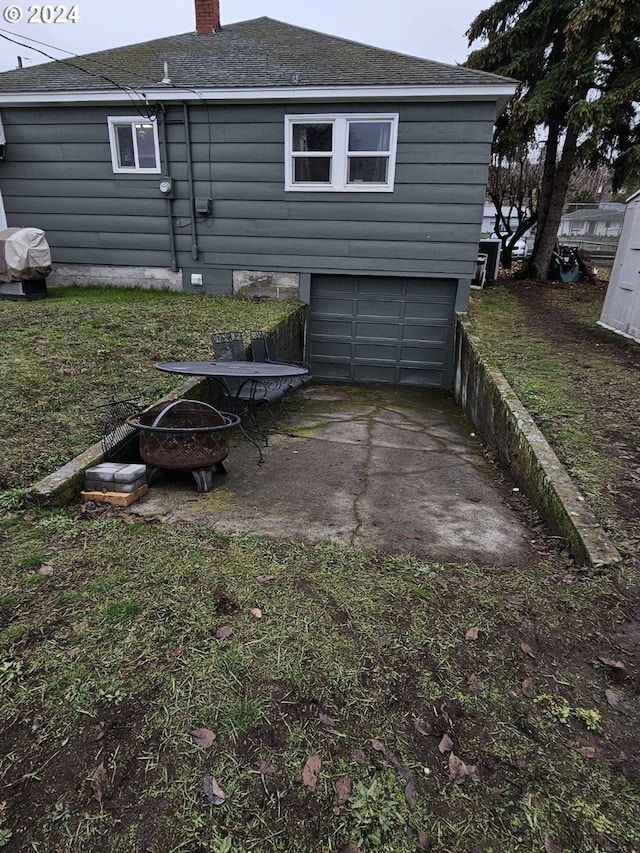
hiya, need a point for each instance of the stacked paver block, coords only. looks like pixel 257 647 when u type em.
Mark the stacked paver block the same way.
pixel 119 483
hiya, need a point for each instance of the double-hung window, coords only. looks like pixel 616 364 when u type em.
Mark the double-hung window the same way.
pixel 340 153
pixel 134 144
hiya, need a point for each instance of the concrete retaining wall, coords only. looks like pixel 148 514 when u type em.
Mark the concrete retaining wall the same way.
pixel 508 430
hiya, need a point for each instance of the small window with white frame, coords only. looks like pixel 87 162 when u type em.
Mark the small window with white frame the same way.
pixel 340 153
pixel 134 144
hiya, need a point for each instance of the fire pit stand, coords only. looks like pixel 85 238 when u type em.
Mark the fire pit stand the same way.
pixel 185 435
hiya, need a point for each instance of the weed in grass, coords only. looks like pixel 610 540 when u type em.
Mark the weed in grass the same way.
pixel 591 718
pixel 12 500
pixel 69 598
pixel 112 696
pixel 120 612
pixel 5 833
pixel 241 716
pixel 107 583
pixel 377 813
pixel 33 561
pixel 57 522
pixel 10 672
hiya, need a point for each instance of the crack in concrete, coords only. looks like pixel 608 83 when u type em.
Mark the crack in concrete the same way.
pixel 357 515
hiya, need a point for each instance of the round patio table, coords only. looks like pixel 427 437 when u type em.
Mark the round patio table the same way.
pixel 237 369
pixel 247 386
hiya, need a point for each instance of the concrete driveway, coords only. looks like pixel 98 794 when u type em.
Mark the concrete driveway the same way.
pixel 386 468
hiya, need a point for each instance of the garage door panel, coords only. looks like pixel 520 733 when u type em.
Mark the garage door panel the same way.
pixel 430 377
pixel 385 286
pixel 333 349
pixel 374 373
pixel 328 329
pixel 422 355
pixel 382 329
pixel 368 329
pixel 369 351
pixel 425 334
pixel 436 290
pixel 337 284
pixel 333 305
pixel 379 308
pixel 336 370
pixel 428 311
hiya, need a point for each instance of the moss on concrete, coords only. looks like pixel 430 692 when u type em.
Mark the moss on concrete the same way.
pixel 507 428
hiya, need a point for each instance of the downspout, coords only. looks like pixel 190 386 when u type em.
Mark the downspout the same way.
pixel 192 200
pixel 172 236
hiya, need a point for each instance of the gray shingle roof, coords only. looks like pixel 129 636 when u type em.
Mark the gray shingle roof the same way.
pixel 591 215
pixel 262 53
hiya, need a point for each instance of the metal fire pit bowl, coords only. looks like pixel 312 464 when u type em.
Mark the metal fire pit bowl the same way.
pixel 185 435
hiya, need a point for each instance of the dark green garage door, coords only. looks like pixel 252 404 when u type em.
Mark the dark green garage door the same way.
pixel 382 329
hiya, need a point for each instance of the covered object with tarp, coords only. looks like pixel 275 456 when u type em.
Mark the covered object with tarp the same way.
pixel 25 262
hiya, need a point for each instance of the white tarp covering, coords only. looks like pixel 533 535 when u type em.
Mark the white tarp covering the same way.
pixel 24 254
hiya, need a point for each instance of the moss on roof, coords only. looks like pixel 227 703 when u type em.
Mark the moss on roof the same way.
pixel 261 53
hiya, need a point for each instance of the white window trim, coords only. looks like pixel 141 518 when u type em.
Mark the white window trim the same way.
pixel 339 154
pixel 113 142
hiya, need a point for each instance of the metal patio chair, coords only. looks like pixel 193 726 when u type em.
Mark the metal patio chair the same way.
pixel 264 348
pixel 251 396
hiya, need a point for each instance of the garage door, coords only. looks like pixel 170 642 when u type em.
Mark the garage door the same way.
pixel 382 329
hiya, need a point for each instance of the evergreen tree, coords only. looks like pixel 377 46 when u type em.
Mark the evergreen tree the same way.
pixel 578 63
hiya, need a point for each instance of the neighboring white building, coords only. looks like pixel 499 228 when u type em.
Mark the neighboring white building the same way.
pixel 489 219
pixel 599 222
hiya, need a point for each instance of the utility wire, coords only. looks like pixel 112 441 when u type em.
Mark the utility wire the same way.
pixel 128 90
pixel 88 58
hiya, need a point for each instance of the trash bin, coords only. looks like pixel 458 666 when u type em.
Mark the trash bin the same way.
pixel 480 274
pixel 25 263
pixel 492 248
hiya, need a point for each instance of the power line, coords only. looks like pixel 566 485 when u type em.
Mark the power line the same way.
pixel 99 62
pixel 129 91
pixel 87 58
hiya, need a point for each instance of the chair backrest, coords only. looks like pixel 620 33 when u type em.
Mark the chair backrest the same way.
pixel 265 343
pixel 228 346
pixel 259 346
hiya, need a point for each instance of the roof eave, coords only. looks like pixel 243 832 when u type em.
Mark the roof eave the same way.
pixel 501 93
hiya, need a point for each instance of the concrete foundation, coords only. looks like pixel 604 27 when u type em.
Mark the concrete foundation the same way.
pixel 104 275
pixel 266 285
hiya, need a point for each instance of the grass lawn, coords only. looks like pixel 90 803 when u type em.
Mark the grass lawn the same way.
pixel 167 688
pixel 581 383
pixel 65 356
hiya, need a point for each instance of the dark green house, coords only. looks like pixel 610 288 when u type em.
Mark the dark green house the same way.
pixel 265 158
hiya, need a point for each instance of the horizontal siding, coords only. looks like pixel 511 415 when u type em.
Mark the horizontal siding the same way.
pixel 241 192
pixel 296 230
pixel 273 261
pixel 113 205
pixel 242 133
pixel 251 153
pixel 58 176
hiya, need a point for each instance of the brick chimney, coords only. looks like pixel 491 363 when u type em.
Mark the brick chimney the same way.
pixel 207 17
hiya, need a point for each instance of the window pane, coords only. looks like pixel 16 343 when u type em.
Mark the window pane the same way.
pixel 368 170
pixel 126 157
pixel 146 146
pixel 369 135
pixel 312 137
pixel 312 169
